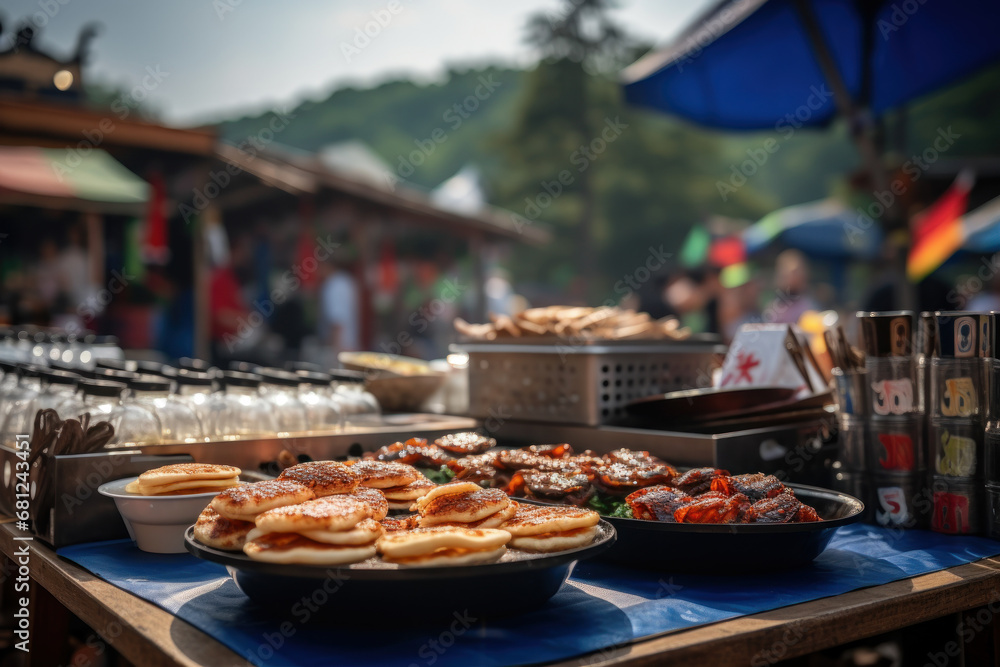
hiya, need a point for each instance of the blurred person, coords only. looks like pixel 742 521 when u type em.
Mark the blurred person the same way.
pixel 739 304
pixel 932 293
pixel 230 328
pixel 73 268
pixel 791 281
pixel 339 310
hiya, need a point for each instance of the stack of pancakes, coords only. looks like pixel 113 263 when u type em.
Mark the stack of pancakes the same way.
pixel 332 530
pixel 185 479
pixel 401 484
pixel 547 529
pixel 314 513
pixel 227 520
pixel 465 505
pixel 439 546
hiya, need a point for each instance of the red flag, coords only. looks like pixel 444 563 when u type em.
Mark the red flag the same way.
pixel 938 231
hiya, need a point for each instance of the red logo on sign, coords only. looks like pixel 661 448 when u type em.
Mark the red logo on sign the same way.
pixel 898 451
pixel 951 513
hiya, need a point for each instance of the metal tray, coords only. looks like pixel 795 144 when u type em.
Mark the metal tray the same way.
pixel 519 581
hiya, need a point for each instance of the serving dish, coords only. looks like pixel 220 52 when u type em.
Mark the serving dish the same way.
pixel 734 548
pixel 518 581
pixel 400 384
pixel 156 523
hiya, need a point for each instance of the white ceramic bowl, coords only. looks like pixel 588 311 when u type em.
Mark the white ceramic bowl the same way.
pixel 156 523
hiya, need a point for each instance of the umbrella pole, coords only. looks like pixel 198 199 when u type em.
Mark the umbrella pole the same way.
pixel 905 297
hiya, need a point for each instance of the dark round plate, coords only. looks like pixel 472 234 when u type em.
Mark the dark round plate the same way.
pixel 517 581
pixel 735 548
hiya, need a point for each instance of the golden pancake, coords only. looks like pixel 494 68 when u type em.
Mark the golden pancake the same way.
pixel 549 542
pixel 447 489
pixel 325 478
pixel 374 499
pixel 247 501
pixel 190 486
pixel 451 558
pixel 534 520
pixel 214 530
pixel 385 474
pixel 492 521
pixel 291 548
pixel 425 541
pixel 182 472
pixel 411 491
pixel 400 523
pixel 365 532
pixel 330 513
pixel 464 507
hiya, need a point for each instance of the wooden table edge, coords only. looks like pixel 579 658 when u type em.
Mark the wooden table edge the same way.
pixel 149 635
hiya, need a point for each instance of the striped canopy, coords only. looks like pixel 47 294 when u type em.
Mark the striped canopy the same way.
pixel 68 178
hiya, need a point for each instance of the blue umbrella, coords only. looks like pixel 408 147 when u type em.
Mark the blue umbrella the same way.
pixel 824 229
pixel 785 64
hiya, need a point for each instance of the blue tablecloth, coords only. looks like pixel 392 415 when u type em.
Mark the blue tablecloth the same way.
pixel 602 606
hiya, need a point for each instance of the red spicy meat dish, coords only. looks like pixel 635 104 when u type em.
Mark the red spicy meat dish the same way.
pixel 650 488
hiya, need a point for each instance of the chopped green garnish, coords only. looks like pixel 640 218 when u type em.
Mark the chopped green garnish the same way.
pixel 441 476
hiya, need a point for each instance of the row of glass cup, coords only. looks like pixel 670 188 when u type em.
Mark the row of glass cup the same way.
pixel 183 405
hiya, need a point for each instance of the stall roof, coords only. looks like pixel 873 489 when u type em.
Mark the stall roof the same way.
pixel 62 124
pixel 301 174
pixel 56 178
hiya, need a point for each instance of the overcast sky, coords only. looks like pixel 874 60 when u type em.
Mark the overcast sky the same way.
pixel 219 57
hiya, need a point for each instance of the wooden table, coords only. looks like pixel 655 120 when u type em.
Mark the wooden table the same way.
pixel 147 635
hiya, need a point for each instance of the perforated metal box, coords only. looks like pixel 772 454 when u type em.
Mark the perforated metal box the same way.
pixel 580 384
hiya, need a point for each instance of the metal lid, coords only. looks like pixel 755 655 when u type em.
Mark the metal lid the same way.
pixel 279 377
pixel 243 366
pixel 149 383
pixel 101 388
pixel 116 364
pixel 193 364
pixel 238 379
pixel 308 366
pixel 113 375
pixel 314 378
pixel 50 376
pixel 347 377
pixel 190 377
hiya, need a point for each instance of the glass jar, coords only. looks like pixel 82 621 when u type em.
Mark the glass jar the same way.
pixel 19 418
pixel 58 393
pixel 116 365
pixel 195 388
pixel 360 407
pixel 178 422
pixel 280 389
pixel 8 387
pixel 239 410
pixel 323 410
pixel 134 424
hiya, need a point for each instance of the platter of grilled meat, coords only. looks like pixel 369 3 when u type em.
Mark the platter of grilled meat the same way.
pixel 702 518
